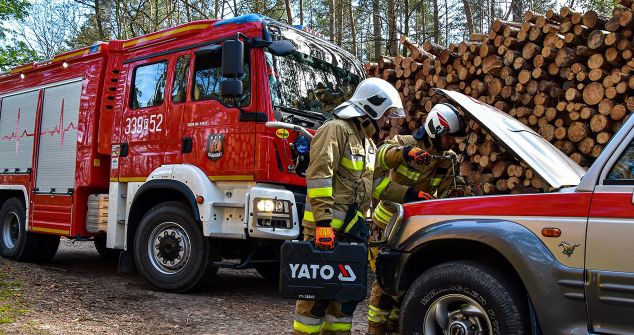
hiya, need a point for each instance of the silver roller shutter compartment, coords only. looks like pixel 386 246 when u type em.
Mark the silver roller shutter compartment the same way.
pixel 58 140
pixel 17 124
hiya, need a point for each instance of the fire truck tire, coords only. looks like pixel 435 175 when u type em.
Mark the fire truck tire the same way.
pixel 48 247
pixel 15 242
pixel 464 298
pixel 104 252
pixel 170 250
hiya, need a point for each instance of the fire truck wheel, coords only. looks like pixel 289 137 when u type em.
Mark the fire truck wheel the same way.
pixel 48 247
pixel 105 253
pixel 15 242
pixel 170 250
pixel 463 298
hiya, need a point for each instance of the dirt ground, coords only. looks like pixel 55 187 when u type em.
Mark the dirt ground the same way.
pixel 79 293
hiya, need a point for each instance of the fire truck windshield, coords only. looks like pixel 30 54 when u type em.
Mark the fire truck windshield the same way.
pixel 309 86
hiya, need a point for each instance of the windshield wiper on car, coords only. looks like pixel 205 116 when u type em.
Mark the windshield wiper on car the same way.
pixel 306 113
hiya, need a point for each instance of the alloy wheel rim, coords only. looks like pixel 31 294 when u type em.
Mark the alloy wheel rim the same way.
pixel 456 314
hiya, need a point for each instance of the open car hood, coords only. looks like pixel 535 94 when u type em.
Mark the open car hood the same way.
pixel 552 165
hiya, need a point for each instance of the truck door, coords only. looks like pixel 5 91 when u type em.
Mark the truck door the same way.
pixel 221 131
pixel 144 119
pixel 610 250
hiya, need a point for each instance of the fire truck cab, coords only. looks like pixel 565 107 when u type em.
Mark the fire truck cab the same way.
pixel 158 146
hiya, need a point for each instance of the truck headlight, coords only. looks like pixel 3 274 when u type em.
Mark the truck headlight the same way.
pixel 273 213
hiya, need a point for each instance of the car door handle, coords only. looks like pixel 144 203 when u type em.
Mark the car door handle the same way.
pixel 632 197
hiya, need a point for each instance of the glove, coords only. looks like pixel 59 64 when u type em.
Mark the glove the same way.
pixel 416 154
pixel 412 195
pixel 356 228
pixel 324 238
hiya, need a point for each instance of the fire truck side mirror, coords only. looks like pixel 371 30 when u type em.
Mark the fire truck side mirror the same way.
pixel 281 48
pixel 233 59
pixel 231 88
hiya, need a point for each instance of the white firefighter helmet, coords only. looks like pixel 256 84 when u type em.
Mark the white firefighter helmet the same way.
pixel 443 119
pixel 373 97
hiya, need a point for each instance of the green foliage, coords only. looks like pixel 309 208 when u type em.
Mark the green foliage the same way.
pixel 16 53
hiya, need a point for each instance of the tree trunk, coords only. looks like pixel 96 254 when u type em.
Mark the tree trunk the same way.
pixel 517 10
pixel 406 19
pixel 340 23
pixel 289 14
pixel 391 28
pixel 492 18
pixel 467 12
pixel 301 12
pixel 331 12
pixel 353 30
pixel 376 21
pixel 436 19
pixel 446 22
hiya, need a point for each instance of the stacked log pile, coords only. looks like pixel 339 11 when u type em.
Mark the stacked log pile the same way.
pixel 569 76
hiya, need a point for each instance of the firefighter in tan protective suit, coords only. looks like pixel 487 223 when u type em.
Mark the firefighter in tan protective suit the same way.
pixel 339 179
pixel 432 178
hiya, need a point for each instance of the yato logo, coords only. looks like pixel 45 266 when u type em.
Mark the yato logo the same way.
pixel 325 272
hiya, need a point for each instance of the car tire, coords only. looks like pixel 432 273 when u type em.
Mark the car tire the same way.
pixel 15 241
pixel 170 250
pixel 105 253
pixel 464 295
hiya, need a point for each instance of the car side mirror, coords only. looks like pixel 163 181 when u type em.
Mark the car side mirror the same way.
pixel 281 48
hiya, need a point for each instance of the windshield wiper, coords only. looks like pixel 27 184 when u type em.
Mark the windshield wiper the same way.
pixel 306 113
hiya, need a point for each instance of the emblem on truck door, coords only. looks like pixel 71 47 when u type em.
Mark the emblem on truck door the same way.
pixel 569 249
pixel 215 146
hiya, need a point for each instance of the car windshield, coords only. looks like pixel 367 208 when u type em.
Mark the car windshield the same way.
pixel 308 85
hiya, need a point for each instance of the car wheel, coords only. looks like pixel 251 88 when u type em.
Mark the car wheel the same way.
pixel 15 242
pixel 463 298
pixel 170 250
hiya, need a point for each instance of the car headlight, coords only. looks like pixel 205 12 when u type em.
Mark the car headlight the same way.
pixel 301 144
pixel 273 213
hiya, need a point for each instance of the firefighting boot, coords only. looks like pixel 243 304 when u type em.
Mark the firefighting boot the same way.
pixel 392 321
pixel 376 328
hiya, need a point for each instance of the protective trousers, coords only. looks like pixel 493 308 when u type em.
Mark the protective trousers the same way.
pixel 322 317
pixel 382 312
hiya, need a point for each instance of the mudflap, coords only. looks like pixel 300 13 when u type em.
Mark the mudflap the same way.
pixel 340 274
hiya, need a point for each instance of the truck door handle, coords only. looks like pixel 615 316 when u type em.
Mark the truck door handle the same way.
pixel 632 197
pixel 187 144
pixel 124 149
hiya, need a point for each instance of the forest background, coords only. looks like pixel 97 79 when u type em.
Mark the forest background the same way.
pixel 39 29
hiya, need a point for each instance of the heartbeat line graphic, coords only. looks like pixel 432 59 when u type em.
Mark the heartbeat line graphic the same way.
pixel 59 129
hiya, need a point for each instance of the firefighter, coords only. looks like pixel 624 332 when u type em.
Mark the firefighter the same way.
pixel 403 156
pixel 339 179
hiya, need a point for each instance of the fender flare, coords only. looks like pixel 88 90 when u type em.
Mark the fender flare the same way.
pixel 25 193
pixel 559 304
pixel 168 184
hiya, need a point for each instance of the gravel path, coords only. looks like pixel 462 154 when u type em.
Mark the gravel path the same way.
pixel 79 293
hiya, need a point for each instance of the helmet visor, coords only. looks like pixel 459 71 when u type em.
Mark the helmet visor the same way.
pixel 395 113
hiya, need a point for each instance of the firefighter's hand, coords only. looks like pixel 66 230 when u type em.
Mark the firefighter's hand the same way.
pixel 324 238
pixel 416 154
pixel 412 195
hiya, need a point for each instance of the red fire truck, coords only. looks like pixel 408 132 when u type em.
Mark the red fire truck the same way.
pixel 175 149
